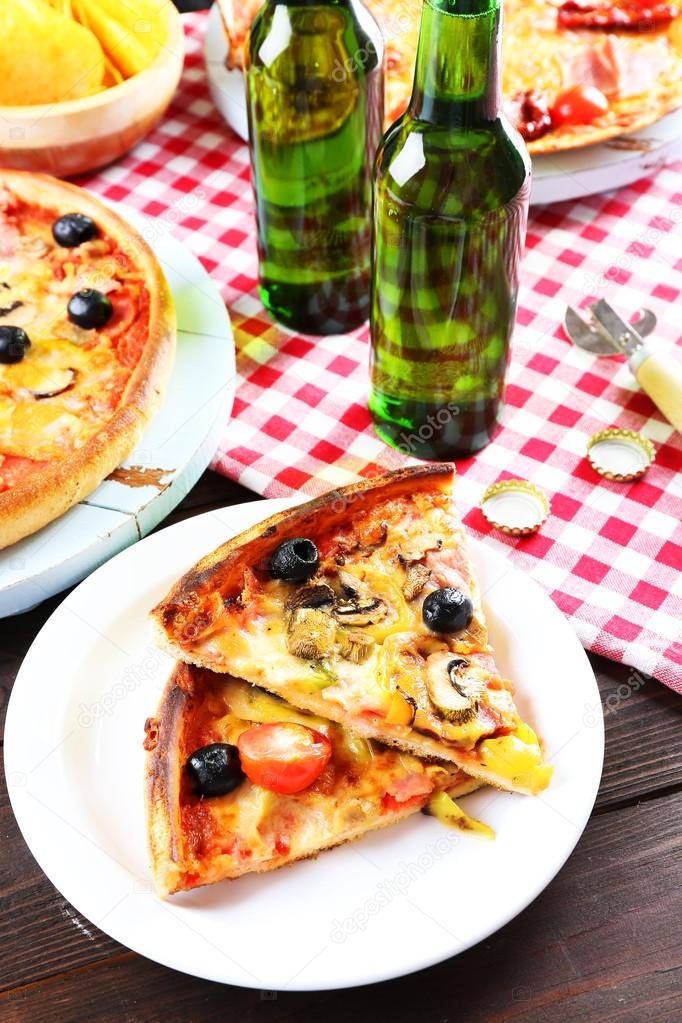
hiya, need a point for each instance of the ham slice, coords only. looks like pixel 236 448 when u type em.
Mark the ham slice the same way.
pixel 9 239
pixel 618 67
pixel 449 567
pixel 410 787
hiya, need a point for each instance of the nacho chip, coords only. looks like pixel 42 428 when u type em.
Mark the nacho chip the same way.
pixel 45 57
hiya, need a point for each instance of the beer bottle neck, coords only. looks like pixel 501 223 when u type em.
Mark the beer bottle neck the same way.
pixel 457 75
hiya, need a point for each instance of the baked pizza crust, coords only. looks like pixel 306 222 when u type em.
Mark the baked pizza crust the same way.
pixel 30 505
pixel 222 568
pixel 166 755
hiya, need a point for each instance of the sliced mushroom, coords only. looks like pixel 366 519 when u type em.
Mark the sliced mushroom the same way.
pixel 311 633
pixel 319 595
pixel 357 604
pixel 33 246
pixel 453 690
pixel 355 646
pixel 352 587
pixel 55 382
pixel 360 611
pixel 427 542
pixel 416 578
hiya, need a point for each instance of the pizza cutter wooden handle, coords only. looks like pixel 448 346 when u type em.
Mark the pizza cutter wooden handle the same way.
pixel 660 376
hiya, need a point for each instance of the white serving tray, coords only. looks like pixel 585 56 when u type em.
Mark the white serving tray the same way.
pixel 171 456
pixel 571 175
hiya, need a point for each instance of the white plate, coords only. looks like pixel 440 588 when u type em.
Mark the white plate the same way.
pixel 570 175
pixel 393 902
pixel 177 446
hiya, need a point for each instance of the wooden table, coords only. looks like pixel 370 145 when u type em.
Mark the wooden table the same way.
pixel 602 942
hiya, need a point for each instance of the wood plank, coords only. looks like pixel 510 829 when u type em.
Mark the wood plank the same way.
pixel 642 723
pixel 603 942
pixel 40 932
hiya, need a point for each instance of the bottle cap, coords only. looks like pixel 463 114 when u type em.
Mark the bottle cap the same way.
pixel 620 455
pixel 515 507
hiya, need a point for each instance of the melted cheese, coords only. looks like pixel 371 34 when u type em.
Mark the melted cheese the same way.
pixel 36 423
pixel 252 825
pixel 254 646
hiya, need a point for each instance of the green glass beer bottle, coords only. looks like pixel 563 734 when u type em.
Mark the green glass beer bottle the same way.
pixel 451 187
pixel 314 76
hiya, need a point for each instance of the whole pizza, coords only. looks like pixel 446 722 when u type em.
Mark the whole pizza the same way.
pixel 573 73
pixel 87 337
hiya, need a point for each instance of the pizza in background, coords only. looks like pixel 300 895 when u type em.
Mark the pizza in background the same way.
pixel 87 337
pixel 574 73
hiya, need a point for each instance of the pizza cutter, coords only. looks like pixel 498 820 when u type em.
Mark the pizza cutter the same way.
pixel 657 372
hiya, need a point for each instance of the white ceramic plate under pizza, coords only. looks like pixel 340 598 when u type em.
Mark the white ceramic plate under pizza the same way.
pixel 574 174
pixel 170 457
pixel 377 908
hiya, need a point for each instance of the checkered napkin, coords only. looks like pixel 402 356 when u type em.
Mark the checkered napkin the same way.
pixel 610 554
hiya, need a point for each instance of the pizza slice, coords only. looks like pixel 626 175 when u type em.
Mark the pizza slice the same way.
pixel 362 607
pixel 239 781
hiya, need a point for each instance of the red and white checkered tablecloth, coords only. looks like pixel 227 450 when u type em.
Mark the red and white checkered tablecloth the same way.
pixel 610 554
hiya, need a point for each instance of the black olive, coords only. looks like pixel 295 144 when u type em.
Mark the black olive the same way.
pixel 295 560
pixel 90 309
pixel 447 610
pixel 73 229
pixel 14 343
pixel 215 769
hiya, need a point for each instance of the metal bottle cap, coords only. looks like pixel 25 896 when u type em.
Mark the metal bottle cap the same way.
pixel 515 507
pixel 620 455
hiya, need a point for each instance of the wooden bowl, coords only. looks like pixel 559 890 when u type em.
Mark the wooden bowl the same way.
pixel 80 135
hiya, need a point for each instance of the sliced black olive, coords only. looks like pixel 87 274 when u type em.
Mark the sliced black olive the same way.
pixel 73 229
pixel 14 343
pixel 295 560
pixel 447 610
pixel 215 769
pixel 90 309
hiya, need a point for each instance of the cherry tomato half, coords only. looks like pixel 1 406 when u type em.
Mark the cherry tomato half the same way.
pixel 580 104
pixel 284 756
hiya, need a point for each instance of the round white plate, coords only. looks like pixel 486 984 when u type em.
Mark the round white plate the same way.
pixel 170 458
pixel 393 902
pixel 571 175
